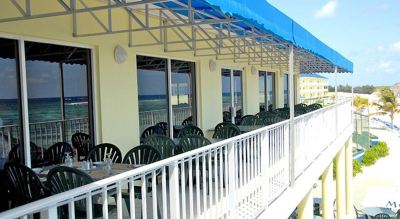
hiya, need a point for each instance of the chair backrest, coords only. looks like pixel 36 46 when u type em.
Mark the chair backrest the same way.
pixel 162 143
pixel 220 125
pixel 24 184
pixel 55 154
pixel 227 132
pixel 381 216
pixel 190 130
pixel 248 120
pixel 152 130
pixel 99 153
pixel 81 142
pixel 163 125
pixel 15 154
pixel 188 121
pixel 226 116
pixel 142 154
pixel 62 178
pixel 191 142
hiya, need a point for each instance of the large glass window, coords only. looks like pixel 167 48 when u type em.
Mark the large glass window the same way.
pixel 154 98
pixel 266 90
pixel 58 92
pixel 286 90
pixel 10 116
pixel 58 95
pixel 232 95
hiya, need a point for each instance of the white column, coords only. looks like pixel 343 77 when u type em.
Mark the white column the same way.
pixel 305 209
pixel 327 195
pixel 291 105
pixel 349 179
pixel 340 185
pixel 24 104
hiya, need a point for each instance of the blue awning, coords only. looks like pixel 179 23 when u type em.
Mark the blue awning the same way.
pixel 266 18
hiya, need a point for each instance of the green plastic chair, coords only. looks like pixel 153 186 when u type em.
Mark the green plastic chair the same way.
pixel 381 216
pixel 227 132
pixel 99 153
pixel 162 143
pixel 191 142
pixel 61 179
pixel 220 125
pixel 190 130
pixel 55 154
pixel 248 120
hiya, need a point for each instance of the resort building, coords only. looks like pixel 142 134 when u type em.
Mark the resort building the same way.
pixel 118 71
pixel 313 86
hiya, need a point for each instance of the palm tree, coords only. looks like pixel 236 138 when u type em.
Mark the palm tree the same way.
pixel 387 104
pixel 360 103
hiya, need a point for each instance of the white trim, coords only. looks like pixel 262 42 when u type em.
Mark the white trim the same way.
pixel 95 97
pixel 164 56
pixel 24 103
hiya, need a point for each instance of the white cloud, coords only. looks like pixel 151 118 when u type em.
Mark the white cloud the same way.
pixel 328 10
pixel 396 46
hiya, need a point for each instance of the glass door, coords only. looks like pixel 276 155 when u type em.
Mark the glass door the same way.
pixel 232 95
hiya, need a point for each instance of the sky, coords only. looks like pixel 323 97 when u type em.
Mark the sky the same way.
pixel 367 32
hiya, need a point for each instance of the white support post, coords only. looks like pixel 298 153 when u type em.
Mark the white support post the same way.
pixel 349 179
pixel 291 122
pixel 24 104
pixel 170 110
pixel 232 180
pixel 305 208
pixel 49 213
pixel 340 184
pixel 336 98
pixel 265 167
pixel 174 190
pixel 327 196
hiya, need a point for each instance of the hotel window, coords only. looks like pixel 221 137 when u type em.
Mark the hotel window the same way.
pixel 58 95
pixel 154 97
pixel 266 90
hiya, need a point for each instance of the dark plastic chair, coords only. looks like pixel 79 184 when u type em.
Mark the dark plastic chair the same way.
pixel 99 153
pixel 81 142
pixel 188 121
pixel 61 179
pixel 360 214
pixel 163 125
pixel 36 155
pixel 227 132
pixel 190 130
pixel 220 125
pixel 143 154
pixel 248 120
pixel 152 130
pixel 162 143
pixel 191 142
pixel 226 116
pixel 269 120
pixel 55 154
pixel 24 184
pixel 381 216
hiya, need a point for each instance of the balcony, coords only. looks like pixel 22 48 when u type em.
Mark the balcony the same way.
pixel 256 174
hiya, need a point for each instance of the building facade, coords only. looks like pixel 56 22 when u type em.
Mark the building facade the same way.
pixel 313 86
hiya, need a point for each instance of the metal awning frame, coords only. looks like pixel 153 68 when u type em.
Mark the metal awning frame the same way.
pixel 206 35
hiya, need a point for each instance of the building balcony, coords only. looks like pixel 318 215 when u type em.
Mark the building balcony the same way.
pixel 261 173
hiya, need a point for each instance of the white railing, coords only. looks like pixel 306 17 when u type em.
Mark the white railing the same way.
pixel 226 179
pixel 150 118
pixel 43 134
pixel 315 131
pixel 234 178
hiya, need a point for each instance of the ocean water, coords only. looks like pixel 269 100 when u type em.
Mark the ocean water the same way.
pixel 43 110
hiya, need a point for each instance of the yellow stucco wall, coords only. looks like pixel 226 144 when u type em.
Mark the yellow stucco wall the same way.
pixel 116 84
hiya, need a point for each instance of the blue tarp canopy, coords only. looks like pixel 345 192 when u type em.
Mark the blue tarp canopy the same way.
pixel 267 19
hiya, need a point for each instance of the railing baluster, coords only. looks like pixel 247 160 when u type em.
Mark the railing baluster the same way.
pixel 154 194
pixel 71 210
pixel 105 202
pixel 232 180
pixel 174 190
pixel 164 191
pixel 132 198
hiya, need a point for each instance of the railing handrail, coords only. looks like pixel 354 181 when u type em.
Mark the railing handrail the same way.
pixel 88 189
pixel 52 121
pixel 50 201
pixel 342 101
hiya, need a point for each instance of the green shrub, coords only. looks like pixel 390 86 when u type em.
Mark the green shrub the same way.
pixel 371 155
pixel 357 168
